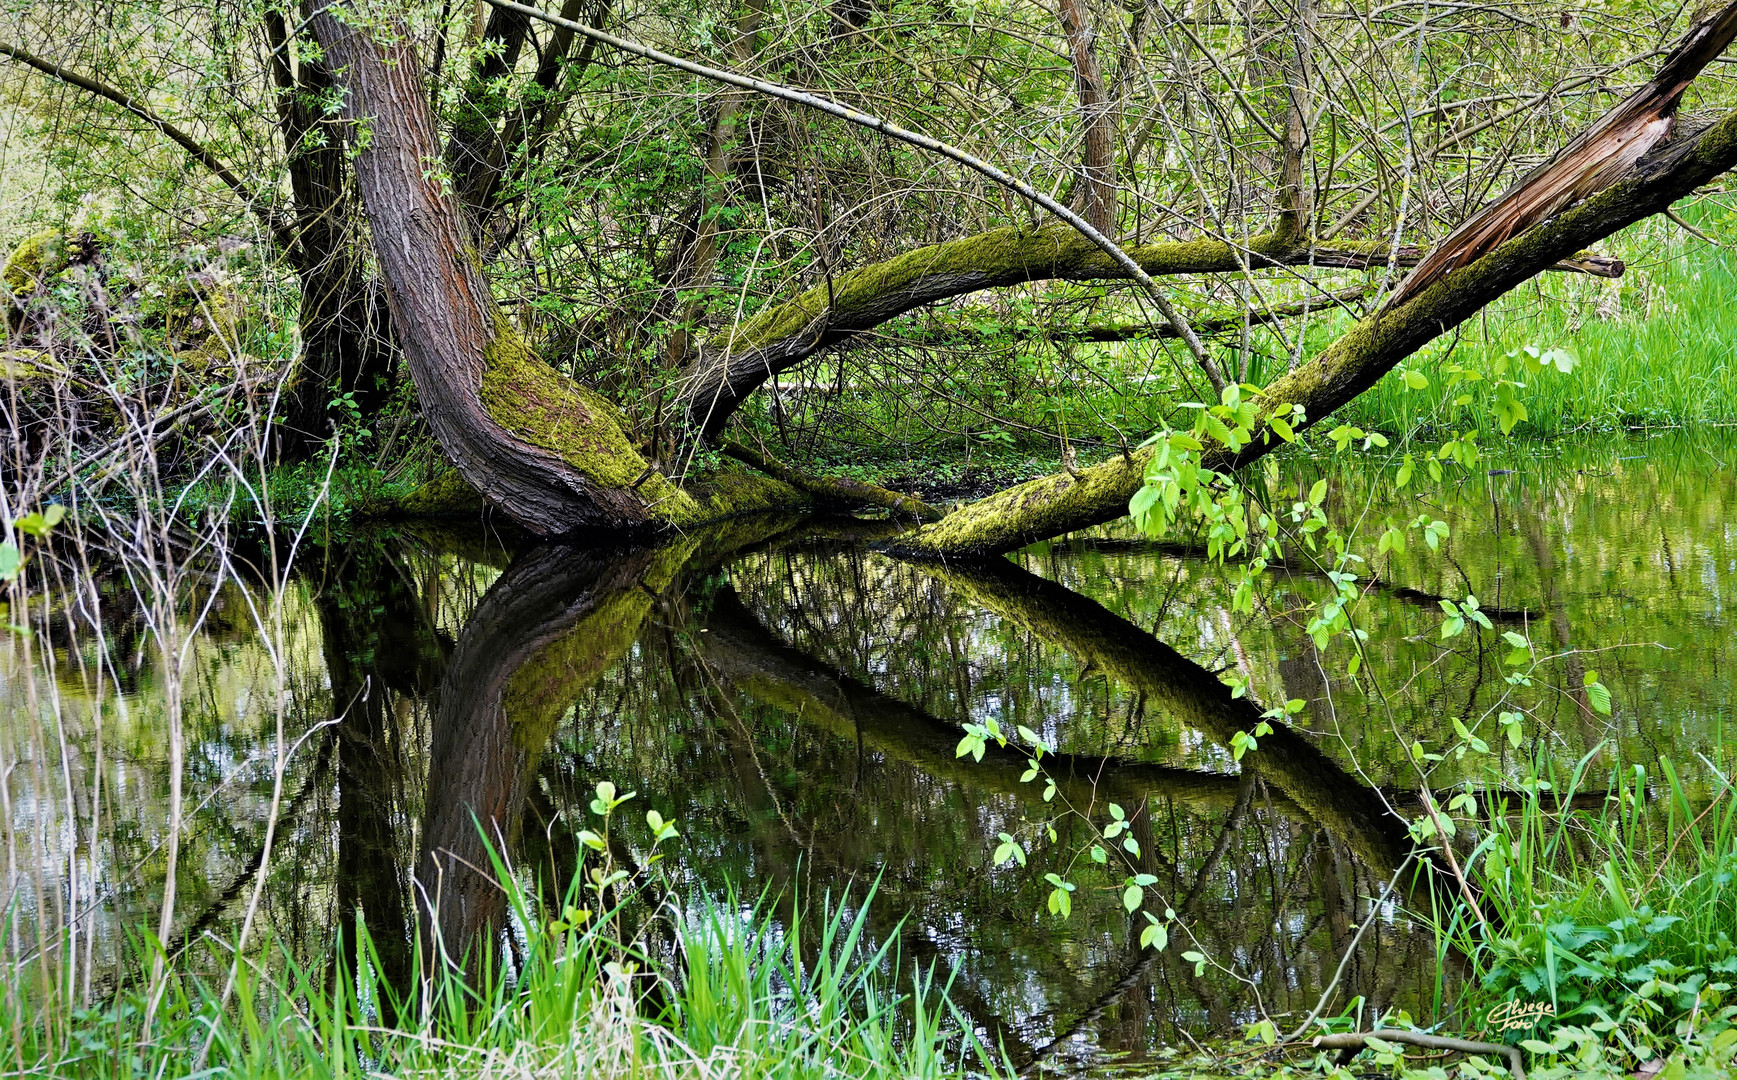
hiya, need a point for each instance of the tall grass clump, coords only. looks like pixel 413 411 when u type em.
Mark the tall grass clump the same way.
pixel 1617 923
pixel 740 996
pixel 1656 347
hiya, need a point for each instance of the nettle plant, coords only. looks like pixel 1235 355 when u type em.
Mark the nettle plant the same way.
pixel 1246 526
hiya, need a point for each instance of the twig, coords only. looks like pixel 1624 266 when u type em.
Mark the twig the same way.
pixel 1359 1040
pixel 1350 951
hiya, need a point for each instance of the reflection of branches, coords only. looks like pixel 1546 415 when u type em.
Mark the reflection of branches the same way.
pixel 1298 769
pixel 1137 972
pixel 1183 550
pixel 206 919
pixel 743 651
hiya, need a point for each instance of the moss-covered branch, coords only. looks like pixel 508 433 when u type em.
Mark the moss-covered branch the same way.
pixel 742 358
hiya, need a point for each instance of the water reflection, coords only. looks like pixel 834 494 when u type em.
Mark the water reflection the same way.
pixel 795 701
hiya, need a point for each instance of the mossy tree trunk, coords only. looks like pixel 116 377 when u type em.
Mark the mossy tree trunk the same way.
pixel 551 455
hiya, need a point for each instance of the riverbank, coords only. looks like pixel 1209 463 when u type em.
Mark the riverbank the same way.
pixel 704 991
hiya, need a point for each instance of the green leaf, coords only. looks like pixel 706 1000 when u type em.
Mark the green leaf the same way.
pixel 1060 903
pixel 10 561
pixel 1131 897
pixel 1143 501
pixel 1563 360
pixel 1156 936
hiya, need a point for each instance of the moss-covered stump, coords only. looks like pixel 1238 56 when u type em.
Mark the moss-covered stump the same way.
pixel 35 263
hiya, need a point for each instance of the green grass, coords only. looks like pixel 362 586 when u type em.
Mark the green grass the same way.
pixel 1656 347
pixel 1621 917
pixel 744 998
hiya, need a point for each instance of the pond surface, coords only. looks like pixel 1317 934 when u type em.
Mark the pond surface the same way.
pixel 794 699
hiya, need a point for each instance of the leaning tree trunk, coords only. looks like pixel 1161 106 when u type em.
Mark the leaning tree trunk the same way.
pixel 545 451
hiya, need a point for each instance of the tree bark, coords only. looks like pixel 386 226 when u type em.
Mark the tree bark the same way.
pixel 1095 196
pixel 346 334
pixel 549 454
pixel 346 339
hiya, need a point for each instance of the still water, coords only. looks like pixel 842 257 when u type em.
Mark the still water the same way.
pixel 793 699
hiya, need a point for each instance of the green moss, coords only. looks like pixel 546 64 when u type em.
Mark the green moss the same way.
pixel 996 258
pixel 732 492
pixel 1034 510
pixel 544 687
pixel 548 410
pixel 36 259
pixel 23 364
pixel 448 493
